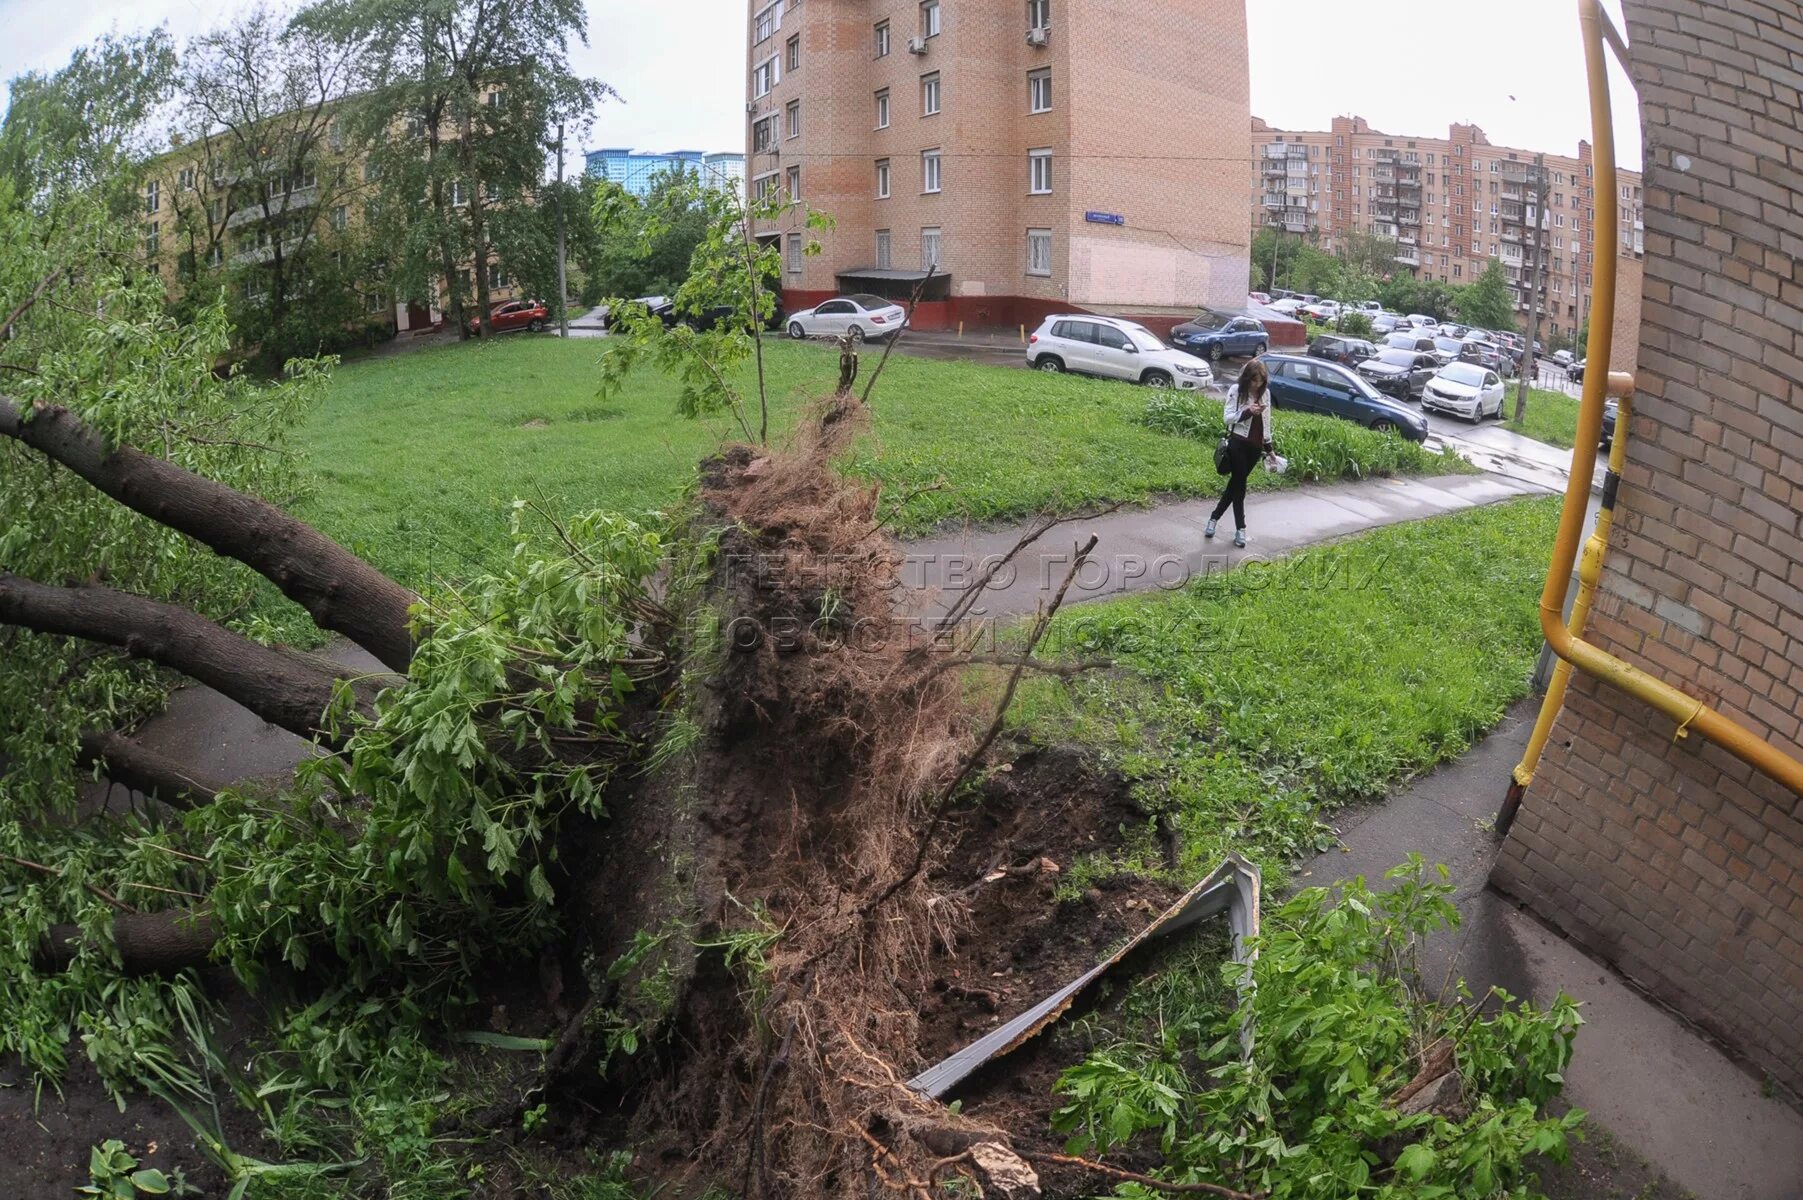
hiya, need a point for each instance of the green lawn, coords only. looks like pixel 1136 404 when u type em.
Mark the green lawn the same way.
pixel 417 455
pixel 1251 703
pixel 1552 417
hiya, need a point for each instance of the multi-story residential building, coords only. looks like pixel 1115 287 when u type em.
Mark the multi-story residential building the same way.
pixel 634 170
pixel 1011 148
pixel 211 215
pixel 1451 204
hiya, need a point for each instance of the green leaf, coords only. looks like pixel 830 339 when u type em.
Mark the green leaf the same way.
pixel 1416 1161
pixel 151 1181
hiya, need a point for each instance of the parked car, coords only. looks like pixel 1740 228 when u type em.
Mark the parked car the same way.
pixel 1421 321
pixel 1113 349
pixel 1404 339
pixel 1464 389
pixel 1289 306
pixel 1347 351
pixel 1609 411
pixel 1453 329
pixel 1259 297
pixel 1562 357
pixel 514 314
pixel 1322 310
pixel 1370 307
pixel 1447 349
pixel 1485 354
pixel 1399 373
pixel 1215 335
pixel 860 316
pixel 720 313
pixel 1575 372
pixel 1385 323
pixel 1312 385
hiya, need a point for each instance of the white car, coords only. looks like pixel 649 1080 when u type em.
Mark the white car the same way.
pixel 1563 357
pixel 1289 307
pixel 1113 349
pixel 860 316
pixel 1466 390
pixel 1323 310
pixel 1371 308
pixel 1421 322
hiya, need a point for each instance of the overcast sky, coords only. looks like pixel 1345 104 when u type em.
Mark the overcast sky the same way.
pixel 1511 66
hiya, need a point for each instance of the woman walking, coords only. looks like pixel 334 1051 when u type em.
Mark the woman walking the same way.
pixel 1248 411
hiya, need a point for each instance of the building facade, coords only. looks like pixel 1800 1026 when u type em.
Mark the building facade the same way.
pixel 1662 852
pixel 635 170
pixel 1451 204
pixel 986 141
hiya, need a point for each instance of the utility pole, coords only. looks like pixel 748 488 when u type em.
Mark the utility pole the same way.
pixel 563 288
pixel 1276 245
pixel 1529 364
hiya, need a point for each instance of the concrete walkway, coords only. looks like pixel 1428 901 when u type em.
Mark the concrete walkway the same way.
pixel 1163 547
pixel 1656 1084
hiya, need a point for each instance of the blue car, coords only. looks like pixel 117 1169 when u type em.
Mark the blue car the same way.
pixel 1216 335
pixel 1315 385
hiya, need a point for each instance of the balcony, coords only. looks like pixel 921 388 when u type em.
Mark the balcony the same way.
pixel 1275 168
pixel 1276 149
pixel 1383 174
pixel 1274 200
pixel 1408 258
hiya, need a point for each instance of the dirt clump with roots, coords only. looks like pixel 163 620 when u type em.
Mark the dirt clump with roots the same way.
pixel 842 800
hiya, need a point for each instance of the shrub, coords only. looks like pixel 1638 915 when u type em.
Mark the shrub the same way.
pixel 1318 448
pixel 1341 1022
pixel 1355 324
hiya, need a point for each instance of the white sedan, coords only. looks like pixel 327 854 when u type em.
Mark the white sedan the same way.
pixel 1465 389
pixel 859 317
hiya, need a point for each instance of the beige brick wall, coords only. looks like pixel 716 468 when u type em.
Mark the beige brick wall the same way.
pixel 1672 858
pixel 1116 81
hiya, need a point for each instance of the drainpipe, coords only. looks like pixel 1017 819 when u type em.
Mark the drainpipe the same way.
pixel 1566 641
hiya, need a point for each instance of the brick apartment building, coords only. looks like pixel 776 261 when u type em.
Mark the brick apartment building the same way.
pixel 1667 855
pixel 1024 149
pixel 1452 204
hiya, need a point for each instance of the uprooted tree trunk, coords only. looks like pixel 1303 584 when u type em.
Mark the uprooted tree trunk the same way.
pixel 833 741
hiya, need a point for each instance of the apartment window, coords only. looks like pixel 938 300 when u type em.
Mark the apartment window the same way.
pixel 372 170
pixel 765 76
pixel 794 118
pixel 763 132
pixel 769 19
pixel 184 179
pixel 150 239
pixel 1039 252
pixel 1039 14
pixel 929 170
pixel 153 196
pixel 1559 220
pixel 497 100
pixel 216 211
pixel 1457 271
pixel 884 255
pixel 929 19
pixel 882 179
pixel 929 248
pixel 372 303
pixel 764 186
pixel 1339 141
pixel 1039 91
pixel 882 109
pixel 882 39
pixel 929 94
pixel 216 255
pixel 341 217
pixel 795 254
pixel 1039 171
pixel 497 278
pixel 792 57
pixel 793 179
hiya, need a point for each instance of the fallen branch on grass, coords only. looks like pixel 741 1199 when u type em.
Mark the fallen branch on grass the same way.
pixel 1209 1189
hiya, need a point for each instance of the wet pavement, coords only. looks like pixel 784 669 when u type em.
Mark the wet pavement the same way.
pixel 1660 1087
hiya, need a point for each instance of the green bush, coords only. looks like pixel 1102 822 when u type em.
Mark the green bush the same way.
pixel 1355 324
pixel 1340 1021
pixel 1318 448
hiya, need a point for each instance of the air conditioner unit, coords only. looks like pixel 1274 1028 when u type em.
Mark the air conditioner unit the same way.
pixel 1038 37
pixel 751 106
pixel 917 45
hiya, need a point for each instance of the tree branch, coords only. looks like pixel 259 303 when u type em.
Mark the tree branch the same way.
pixel 144 770
pixel 341 592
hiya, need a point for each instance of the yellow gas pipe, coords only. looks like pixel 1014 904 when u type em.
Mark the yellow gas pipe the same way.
pixel 1566 641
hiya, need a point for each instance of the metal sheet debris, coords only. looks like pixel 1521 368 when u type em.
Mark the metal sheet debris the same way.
pixel 1233 889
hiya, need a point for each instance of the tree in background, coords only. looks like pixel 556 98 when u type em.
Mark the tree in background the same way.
pixel 84 126
pixel 1488 303
pixel 465 97
pixel 272 194
pixel 646 245
pixel 1368 254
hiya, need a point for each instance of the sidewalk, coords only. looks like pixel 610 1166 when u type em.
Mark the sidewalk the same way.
pixel 1163 547
pixel 1654 1083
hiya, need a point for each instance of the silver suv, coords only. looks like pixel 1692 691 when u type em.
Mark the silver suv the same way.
pixel 1113 349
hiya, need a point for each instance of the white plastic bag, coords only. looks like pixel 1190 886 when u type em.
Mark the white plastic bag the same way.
pixel 1277 464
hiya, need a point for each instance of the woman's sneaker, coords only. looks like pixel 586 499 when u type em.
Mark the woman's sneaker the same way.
pixel 1208 530
pixel 1239 538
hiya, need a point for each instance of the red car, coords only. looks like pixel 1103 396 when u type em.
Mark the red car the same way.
pixel 515 314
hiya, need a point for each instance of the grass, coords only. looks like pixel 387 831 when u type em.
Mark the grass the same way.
pixel 1552 417
pixel 418 455
pixel 1251 704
